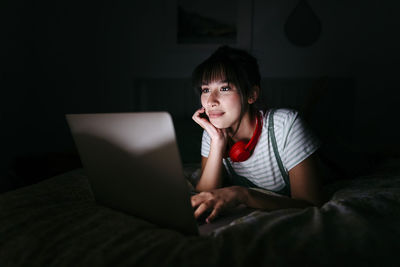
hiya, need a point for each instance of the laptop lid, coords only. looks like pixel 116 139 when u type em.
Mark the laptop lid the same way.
pixel 133 165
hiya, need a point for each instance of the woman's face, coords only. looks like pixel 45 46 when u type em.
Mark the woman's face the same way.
pixel 222 103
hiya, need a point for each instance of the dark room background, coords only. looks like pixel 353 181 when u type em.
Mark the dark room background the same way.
pixel 61 57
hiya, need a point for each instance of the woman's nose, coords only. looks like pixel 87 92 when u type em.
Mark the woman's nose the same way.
pixel 213 99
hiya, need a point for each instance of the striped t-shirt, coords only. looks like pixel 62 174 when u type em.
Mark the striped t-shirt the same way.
pixel 295 143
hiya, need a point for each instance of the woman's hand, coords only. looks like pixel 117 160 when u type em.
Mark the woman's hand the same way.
pixel 219 137
pixel 212 167
pixel 218 200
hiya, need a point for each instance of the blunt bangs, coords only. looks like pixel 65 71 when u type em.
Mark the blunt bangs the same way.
pixel 215 70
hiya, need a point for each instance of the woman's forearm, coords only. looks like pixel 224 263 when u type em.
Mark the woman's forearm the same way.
pixel 211 177
pixel 255 199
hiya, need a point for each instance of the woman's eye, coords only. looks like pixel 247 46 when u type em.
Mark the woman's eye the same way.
pixel 225 88
pixel 204 90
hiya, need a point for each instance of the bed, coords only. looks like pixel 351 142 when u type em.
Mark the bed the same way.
pixel 56 222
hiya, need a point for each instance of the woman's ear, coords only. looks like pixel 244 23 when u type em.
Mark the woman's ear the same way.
pixel 253 96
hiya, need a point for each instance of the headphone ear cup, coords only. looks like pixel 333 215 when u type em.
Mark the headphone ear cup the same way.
pixel 238 152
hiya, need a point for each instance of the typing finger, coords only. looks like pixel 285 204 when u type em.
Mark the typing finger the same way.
pixel 205 206
pixel 214 214
pixel 196 200
pixel 199 198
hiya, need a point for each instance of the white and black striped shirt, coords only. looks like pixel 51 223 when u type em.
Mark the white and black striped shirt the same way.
pixel 295 143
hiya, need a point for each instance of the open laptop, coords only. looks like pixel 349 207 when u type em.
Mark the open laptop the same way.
pixel 133 165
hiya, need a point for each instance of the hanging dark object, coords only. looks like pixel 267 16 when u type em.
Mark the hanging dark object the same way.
pixel 303 27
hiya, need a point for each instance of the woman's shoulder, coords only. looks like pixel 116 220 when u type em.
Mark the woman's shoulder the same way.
pixel 282 116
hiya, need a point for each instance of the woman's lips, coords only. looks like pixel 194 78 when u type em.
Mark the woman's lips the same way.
pixel 215 114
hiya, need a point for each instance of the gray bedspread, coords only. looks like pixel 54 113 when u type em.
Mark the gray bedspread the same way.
pixel 57 223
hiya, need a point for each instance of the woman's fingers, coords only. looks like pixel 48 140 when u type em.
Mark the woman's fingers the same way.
pixel 211 205
pixel 197 116
pixel 214 132
pixel 215 201
pixel 197 199
pixel 215 212
pixel 204 201
pixel 205 206
pixel 200 119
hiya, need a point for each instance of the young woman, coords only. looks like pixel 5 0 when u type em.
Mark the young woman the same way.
pixel 238 147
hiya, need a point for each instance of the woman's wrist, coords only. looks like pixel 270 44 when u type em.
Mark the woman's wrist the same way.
pixel 242 194
pixel 218 145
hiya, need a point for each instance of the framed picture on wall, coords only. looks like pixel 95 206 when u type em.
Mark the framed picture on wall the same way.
pixel 209 23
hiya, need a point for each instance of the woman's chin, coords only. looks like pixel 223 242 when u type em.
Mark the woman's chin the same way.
pixel 218 124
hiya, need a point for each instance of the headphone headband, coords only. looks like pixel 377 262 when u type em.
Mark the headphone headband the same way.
pixel 241 151
pixel 257 132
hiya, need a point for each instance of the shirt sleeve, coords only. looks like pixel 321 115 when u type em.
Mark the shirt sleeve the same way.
pixel 299 142
pixel 205 144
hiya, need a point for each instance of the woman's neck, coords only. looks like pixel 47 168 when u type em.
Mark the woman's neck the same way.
pixel 246 128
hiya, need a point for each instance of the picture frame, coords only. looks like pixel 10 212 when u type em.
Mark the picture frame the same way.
pixel 228 22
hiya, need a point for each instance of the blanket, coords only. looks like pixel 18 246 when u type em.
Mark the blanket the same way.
pixel 57 223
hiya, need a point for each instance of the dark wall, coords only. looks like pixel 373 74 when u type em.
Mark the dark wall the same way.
pixel 358 39
pixel 59 57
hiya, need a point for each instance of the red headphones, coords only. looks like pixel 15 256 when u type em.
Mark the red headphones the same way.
pixel 241 151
